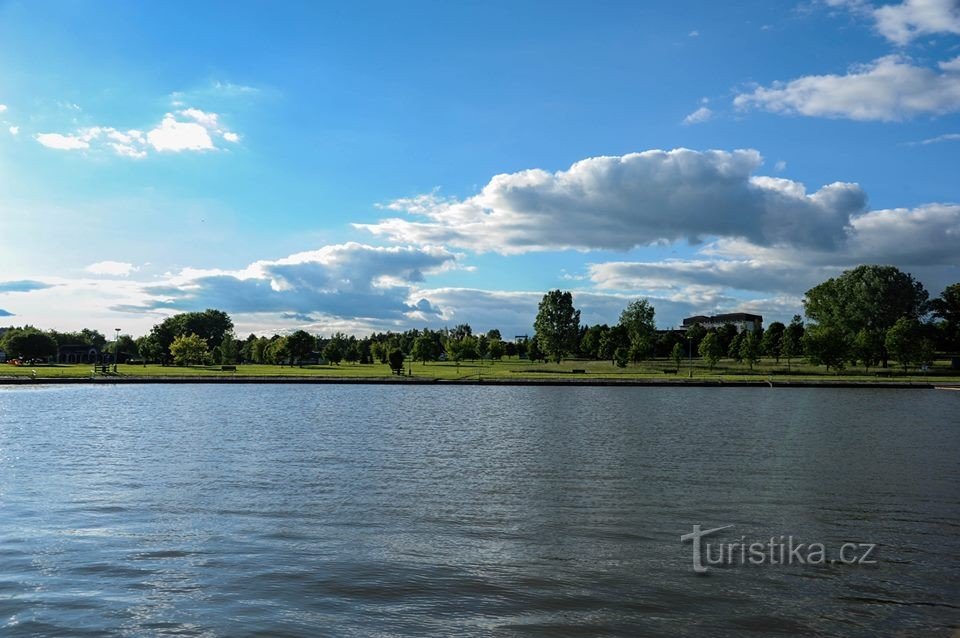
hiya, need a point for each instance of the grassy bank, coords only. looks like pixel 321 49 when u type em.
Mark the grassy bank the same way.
pixel 516 370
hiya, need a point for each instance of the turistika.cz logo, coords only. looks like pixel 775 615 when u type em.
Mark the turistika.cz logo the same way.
pixel 778 550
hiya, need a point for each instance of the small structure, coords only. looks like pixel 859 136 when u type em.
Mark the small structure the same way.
pixel 78 353
pixel 742 320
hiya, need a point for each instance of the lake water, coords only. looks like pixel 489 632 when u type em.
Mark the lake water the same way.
pixel 471 511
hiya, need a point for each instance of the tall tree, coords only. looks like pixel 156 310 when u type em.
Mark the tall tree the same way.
pixel 947 308
pixel 871 297
pixel 773 340
pixel 638 319
pixel 903 341
pixel 28 343
pixel 711 349
pixel 791 345
pixel 557 325
pixel 826 345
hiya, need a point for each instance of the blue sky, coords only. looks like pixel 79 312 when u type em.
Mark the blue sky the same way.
pixel 370 166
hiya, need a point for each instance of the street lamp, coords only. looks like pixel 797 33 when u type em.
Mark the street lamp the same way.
pixel 116 349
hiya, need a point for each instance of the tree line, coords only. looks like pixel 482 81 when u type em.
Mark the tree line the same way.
pixel 867 315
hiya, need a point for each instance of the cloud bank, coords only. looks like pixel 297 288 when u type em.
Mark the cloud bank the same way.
pixel 626 201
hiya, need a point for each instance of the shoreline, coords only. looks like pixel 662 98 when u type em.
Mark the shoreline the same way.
pixel 626 383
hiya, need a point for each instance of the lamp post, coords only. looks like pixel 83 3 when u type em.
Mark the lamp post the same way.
pixel 116 349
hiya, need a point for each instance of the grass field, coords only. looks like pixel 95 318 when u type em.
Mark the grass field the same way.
pixel 726 370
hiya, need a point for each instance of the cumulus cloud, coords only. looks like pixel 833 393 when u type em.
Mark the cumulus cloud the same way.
pixel 901 23
pixel 188 129
pixel 888 89
pixel 345 280
pixel 112 268
pixel 632 200
pixel 702 114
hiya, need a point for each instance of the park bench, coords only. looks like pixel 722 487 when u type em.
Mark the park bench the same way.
pixel 228 368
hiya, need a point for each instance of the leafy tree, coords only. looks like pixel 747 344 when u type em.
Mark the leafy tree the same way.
pixel 300 344
pixel 396 358
pixel 469 348
pixel 867 347
pixel 228 349
pixel 903 341
pixel 352 355
pixel 425 349
pixel 259 350
pixel 334 350
pixel 557 324
pixel 711 349
pixel 677 355
pixel 621 357
pixel 189 349
pixel 696 333
pixel 947 308
pixel 637 318
pixel 735 352
pixel 534 353
pixel 496 349
pixel 611 340
pixel 494 334
pixel 277 351
pixel 871 297
pixel 750 348
pixel 461 330
pixel 483 346
pixel 926 353
pixel 773 340
pixel 149 349
pixel 826 345
pixel 791 345
pixel 28 343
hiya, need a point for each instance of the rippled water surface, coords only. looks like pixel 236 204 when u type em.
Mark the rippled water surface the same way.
pixel 385 511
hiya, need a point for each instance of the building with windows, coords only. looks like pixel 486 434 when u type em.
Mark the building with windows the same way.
pixel 742 320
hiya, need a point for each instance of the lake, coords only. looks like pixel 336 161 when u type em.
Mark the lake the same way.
pixel 245 510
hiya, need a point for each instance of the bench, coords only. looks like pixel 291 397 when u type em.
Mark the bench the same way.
pixel 228 368
pixel 578 371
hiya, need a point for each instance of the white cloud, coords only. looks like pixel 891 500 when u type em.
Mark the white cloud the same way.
pixel 3 107
pixel 14 130
pixel 702 114
pixel 901 23
pixel 112 268
pixel 780 166
pixel 189 129
pixel 62 142
pixel 633 200
pixel 694 34
pixel 890 88
pixel 175 136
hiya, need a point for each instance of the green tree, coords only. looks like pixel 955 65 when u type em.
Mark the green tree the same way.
pixel 870 297
pixel 638 319
pixel 334 351
pixel 259 349
pixel 425 349
pixel 711 349
pixel 277 351
pixel 735 352
pixel 228 349
pixel 494 334
pixel 496 349
pixel 677 355
pixel 903 341
pixel 557 324
pixel 189 349
pixel 149 349
pixel 750 348
pixel 773 340
pixel 621 356
pixel 947 308
pixel 396 358
pixel 28 343
pixel 483 346
pixel 299 345
pixel 826 345
pixel 866 348
pixel 610 341
pixel 791 345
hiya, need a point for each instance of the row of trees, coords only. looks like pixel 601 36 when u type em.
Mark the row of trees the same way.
pixel 867 315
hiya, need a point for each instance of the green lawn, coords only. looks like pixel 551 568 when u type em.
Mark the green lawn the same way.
pixel 726 370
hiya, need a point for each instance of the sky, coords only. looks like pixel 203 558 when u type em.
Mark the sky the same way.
pixel 371 166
